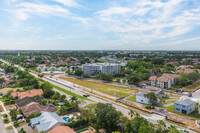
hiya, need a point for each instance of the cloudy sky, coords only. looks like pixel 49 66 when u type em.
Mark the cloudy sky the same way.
pixel 100 24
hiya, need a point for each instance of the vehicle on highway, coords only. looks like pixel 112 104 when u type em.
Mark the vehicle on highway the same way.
pixel 86 95
pixel 183 130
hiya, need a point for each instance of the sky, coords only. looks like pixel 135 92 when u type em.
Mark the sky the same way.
pixel 100 24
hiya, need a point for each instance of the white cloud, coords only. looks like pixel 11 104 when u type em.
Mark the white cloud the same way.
pixel 70 3
pixel 27 9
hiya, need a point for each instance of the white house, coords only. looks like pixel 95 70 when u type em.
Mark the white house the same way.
pixel 184 106
pixel 46 121
pixel 140 98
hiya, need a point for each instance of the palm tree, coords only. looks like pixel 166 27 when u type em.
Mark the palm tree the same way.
pixel 161 126
pixel 131 113
pixel 73 99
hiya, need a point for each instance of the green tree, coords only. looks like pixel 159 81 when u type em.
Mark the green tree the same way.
pixel 13 114
pixel 44 101
pixel 79 72
pixel 153 100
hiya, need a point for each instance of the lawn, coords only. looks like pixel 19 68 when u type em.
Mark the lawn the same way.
pixel 194 114
pixel 1 108
pixel 132 98
pixel 70 93
pixel 9 128
pixel 107 89
pixel 168 102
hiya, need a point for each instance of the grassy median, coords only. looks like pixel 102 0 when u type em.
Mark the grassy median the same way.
pixel 70 93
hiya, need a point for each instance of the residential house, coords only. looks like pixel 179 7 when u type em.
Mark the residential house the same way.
pixel 47 121
pixel 36 108
pixel 62 129
pixel 29 93
pixel 184 106
pixel 6 90
pixel 27 101
pixel 140 96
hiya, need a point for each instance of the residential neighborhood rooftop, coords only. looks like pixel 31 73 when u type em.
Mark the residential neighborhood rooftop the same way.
pixel 29 93
pixel 61 129
pixel 185 102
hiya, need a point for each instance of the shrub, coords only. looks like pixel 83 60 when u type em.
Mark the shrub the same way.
pixel 6 120
pixel 16 123
pixel 5 116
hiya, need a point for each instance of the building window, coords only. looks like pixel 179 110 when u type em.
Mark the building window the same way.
pixel 183 106
pixel 177 109
pixel 141 100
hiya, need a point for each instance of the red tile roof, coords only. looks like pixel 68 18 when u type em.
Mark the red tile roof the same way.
pixel 29 93
pixel 36 108
pixel 163 79
pixel 153 78
pixel 61 129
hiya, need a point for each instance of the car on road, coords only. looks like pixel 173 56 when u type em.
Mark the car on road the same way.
pixel 86 95
pixel 183 130
pixel 190 95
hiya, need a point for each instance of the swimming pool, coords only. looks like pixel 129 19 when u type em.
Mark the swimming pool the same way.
pixel 66 119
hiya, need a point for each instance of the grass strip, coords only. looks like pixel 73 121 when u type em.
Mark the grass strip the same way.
pixel 70 93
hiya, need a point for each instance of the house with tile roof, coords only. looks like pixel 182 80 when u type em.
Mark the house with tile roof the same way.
pixel 29 93
pixel 6 90
pixel 36 108
pixel 24 102
pixel 62 129
pixel 184 106
pixel 165 81
pixel 46 121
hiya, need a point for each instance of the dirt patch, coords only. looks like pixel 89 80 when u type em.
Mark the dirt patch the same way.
pixel 190 123
pixel 10 107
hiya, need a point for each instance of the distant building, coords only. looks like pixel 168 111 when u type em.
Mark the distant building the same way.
pixel 184 106
pixel 165 81
pixel 107 68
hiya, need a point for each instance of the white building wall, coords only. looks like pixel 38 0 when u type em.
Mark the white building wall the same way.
pixel 142 99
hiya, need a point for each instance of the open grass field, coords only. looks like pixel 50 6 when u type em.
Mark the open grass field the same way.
pixel 194 114
pixel 102 60
pixel 70 93
pixel 107 89
pixel 132 98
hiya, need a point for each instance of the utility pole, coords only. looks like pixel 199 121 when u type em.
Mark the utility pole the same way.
pixel 92 87
pixel 115 94
pixel 74 82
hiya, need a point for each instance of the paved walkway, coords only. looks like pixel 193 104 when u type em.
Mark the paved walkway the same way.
pixel 2 127
pixel 7 112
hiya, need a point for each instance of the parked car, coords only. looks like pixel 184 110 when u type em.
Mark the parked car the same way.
pixel 21 120
pixel 183 130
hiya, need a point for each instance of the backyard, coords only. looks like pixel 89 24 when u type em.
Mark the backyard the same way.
pixel 107 89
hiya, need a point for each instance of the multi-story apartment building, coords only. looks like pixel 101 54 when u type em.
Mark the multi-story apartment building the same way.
pixel 165 81
pixel 107 68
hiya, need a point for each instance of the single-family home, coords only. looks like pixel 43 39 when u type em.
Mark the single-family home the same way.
pixel 36 108
pixel 184 106
pixel 29 93
pixel 27 101
pixel 140 96
pixel 47 121
pixel 62 129
pixel 6 90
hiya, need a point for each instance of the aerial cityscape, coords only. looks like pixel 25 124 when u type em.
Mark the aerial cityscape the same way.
pixel 100 66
